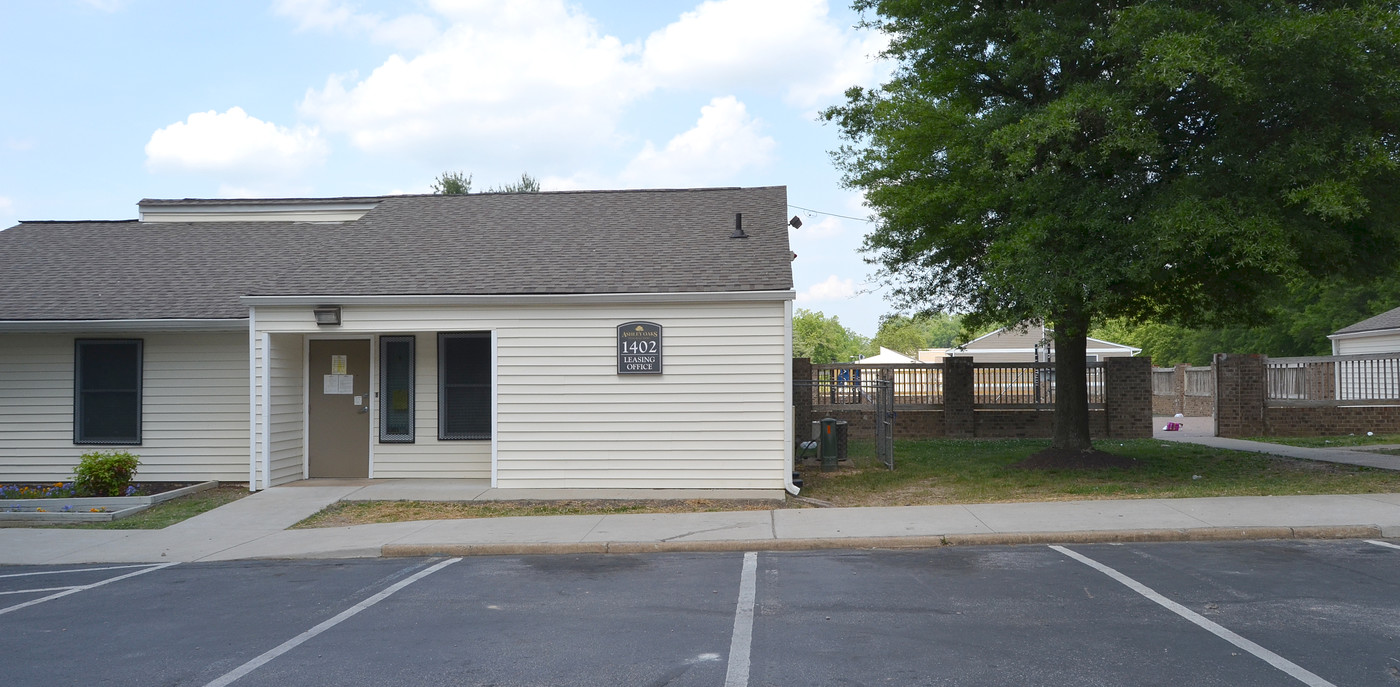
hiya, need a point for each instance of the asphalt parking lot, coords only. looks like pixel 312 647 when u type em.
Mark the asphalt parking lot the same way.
pixel 1228 613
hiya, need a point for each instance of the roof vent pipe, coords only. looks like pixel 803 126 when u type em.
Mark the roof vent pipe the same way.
pixel 738 227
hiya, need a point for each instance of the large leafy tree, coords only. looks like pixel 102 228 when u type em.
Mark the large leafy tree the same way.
pixel 1300 320
pixel 910 334
pixel 1169 160
pixel 824 339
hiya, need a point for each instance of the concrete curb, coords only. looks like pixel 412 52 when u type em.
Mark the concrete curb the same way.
pixel 919 542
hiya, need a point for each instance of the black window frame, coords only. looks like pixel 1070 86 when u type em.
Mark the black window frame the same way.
pixel 445 411
pixel 386 397
pixel 80 429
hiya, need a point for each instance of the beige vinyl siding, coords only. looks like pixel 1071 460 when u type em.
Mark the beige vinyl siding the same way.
pixel 287 375
pixel 426 457
pixel 714 419
pixel 194 407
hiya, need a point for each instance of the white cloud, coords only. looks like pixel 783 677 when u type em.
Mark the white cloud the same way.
pixel 528 75
pixel 233 143
pixel 833 289
pixel 108 6
pixel 761 42
pixel 407 32
pixel 512 79
pixel 827 227
pixel 7 213
pixel 723 142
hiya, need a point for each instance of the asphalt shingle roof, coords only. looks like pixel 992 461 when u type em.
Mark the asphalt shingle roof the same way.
pixel 540 243
pixel 1389 319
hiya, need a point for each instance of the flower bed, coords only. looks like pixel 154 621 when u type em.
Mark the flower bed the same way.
pixel 28 507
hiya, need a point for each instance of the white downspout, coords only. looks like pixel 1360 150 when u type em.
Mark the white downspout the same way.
pixel 787 400
pixel 495 408
pixel 267 411
pixel 252 399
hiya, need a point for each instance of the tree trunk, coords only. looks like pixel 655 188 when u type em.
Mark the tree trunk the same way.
pixel 1071 390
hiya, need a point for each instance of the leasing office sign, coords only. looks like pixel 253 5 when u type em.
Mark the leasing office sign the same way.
pixel 639 348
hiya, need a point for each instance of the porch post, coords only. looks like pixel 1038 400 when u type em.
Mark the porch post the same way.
pixel 252 399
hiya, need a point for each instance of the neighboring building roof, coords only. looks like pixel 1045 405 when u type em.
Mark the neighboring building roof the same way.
pixel 577 242
pixel 1027 338
pixel 887 356
pixel 1389 319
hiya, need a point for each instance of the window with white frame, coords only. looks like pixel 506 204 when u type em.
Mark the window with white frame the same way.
pixel 396 367
pixel 107 391
pixel 464 385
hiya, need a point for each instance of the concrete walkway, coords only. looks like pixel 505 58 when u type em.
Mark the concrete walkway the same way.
pixel 256 526
pixel 1201 430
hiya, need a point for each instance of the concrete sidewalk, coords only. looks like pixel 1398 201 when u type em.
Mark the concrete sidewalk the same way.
pixel 256 526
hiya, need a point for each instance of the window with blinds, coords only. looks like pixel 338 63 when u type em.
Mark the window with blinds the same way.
pixel 464 385
pixel 107 391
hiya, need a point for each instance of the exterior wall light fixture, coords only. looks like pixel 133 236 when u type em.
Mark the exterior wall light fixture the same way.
pixel 327 315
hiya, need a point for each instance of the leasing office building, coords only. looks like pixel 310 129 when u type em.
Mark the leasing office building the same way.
pixel 577 339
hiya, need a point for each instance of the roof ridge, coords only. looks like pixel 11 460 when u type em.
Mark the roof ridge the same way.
pixel 312 199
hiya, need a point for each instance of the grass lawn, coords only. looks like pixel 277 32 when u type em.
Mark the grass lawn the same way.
pixel 366 512
pixel 936 471
pixel 168 513
pixel 942 471
pixel 1333 442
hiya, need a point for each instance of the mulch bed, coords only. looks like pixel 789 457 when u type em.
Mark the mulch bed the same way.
pixel 1071 459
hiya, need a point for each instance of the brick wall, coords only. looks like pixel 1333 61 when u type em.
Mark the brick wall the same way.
pixel 1239 395
pixel 1330 420
pixel 1197 406
pixel 1127 397
pixel 959 420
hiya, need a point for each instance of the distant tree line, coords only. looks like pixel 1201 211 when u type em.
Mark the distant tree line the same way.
pixel 459 183
pixel 824 339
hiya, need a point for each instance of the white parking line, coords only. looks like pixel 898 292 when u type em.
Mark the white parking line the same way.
pixel 40 589
pixel 1273 659
pixel 738 673
pixel 85 587
pixel 1382 543
pixel 341 617
pixel 78 570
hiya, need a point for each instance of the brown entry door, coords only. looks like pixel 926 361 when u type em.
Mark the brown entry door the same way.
pixel 338 409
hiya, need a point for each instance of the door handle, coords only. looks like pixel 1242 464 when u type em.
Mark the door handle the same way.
pixel 364 409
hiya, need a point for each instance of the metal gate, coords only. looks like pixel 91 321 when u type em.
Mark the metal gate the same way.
pixel 884 421
pixel 841 393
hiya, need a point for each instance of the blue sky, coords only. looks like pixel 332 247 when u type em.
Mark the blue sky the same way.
pixel 110 101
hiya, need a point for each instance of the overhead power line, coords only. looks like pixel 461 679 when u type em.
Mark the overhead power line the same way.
pixel 829 214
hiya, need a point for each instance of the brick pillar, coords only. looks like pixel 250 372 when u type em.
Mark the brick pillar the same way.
pixel 1239 395
pixel 1179 388
pixel 959 421
pixel 1127 397
pixel 801 400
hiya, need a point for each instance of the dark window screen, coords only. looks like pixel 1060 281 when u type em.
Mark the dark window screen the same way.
pixel 396 389
pixel 464 386
pixel 107 391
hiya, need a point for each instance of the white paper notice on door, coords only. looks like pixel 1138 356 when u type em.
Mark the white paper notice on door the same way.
pixel 338 364
pixel 338 384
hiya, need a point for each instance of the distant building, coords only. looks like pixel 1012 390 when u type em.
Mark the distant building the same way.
pixel 1033 343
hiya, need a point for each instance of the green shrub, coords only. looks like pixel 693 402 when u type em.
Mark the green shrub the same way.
pixel 104 473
